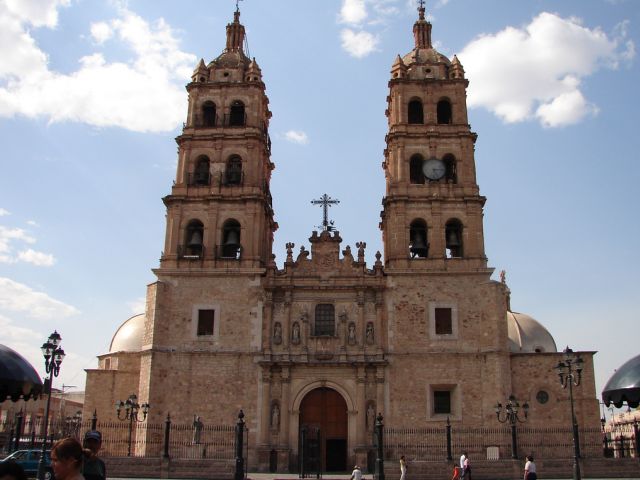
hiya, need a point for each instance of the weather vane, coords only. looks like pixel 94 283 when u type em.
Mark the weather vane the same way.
pixel 237 6
pixel 326 201
pixel 421 3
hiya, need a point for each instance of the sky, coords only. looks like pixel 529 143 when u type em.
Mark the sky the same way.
pixel 92 96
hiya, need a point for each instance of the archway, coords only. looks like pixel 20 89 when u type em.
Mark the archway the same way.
pixel 325 409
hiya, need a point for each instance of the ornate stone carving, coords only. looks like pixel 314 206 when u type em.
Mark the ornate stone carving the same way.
pixel 369 334
pixel 351 336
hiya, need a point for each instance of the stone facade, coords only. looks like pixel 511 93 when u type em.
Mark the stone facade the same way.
pixel 421 337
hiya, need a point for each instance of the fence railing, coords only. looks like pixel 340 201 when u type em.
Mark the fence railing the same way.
pixel 430 444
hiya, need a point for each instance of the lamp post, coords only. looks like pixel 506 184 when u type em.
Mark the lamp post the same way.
pixel 570 374
pixel 53 355
pixel 131 408
pixel 511 413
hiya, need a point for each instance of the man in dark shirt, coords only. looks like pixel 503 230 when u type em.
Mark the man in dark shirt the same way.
pixel 93 468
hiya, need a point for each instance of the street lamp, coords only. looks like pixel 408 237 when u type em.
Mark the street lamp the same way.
pixel 53 355
pixel 131 408
pixel 511 413
pixel 570 374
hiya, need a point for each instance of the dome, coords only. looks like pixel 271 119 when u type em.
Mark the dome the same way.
pixel 624 385
pixel 527 335
pixel 425 56
pixel 18 378
pixel 128 337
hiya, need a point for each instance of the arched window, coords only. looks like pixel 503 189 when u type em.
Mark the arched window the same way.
pixel 201 174
pixel 451 174
pixel 208 114
pixel 418 244
pixel 233 171
pixel 230 240
pixel 325 323
pixel 444 112
pixel 194 235
pixel 236 115
pixel 416 114
pixel 415 169
pixel 453 238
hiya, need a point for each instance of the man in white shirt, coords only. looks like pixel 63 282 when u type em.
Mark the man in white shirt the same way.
pixel 463 457
pixel 356 474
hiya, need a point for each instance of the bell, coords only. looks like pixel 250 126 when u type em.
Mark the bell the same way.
pixel 418 241
pixel 196 239
pixel 452 239
pixel 233 238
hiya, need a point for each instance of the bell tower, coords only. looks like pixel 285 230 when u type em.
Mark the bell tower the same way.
pixel 219 212
pixel 432 211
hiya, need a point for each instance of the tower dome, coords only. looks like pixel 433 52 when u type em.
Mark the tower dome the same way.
pixel 527 335
pixel 128 337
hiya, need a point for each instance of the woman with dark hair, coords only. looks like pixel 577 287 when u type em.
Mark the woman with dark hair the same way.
pixel 66 459
pixel 530 469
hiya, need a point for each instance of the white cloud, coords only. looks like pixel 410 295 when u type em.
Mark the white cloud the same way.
pixel 37 258
pixel 536 71
pixel 11 236
pixel 4 212
pixel 12 332
pixel 37 12
pixel 99 92
pixel 295 136
pixel 358 44
pixel 352 11
pixel 17 297
pixel 101 32
pixel 32 223
pixel 138 306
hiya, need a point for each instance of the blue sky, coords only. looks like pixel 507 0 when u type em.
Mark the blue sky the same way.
pixel 92 96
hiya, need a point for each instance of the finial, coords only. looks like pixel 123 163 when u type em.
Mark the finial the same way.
pixel 238 6
pixel 503 276
pixel 421 9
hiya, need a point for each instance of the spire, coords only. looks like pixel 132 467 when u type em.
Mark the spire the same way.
pixel 422 29
pixel 235 33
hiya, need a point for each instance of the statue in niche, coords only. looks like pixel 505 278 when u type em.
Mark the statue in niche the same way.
pixel 369 333
pixel 351 337
pixel 343 315
pixel 275 416
pixel 277 333
pixel 197 429
pixel 371 417
pixel 295 333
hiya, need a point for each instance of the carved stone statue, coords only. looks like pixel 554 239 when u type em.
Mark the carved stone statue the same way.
pixel 277 333
pixel 295 333
pixel 347 254
pixel 361 246
pixel 197 429
pixel 351 338
pixel 369 333
pixel 290 246
pixel 303 254
pixel 275 416
pixel 371 417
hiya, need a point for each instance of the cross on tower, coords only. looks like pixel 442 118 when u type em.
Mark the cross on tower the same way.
pixel 326 201
pixel 237 6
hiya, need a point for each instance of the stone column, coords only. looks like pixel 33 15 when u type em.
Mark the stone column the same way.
pixel 285 408
pixel 361 408
pixel 266 406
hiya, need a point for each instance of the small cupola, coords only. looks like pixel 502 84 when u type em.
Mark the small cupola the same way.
pixel 455 70
pixel 201 73
pixel 398 69
pixel 422 30
pixel 235 34
pixel 254 74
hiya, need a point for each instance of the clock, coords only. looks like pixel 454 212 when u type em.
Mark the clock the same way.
pixel 434 169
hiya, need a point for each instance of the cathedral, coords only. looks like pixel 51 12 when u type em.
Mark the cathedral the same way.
pixel 423 336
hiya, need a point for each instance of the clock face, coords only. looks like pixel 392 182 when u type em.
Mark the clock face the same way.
pixel 433 169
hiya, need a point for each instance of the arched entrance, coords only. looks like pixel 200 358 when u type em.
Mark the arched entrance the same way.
pixel 325 409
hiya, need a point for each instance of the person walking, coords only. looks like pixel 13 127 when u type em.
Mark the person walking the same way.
pixel 403 468
pixel 530 469
pixel 466 467
pixel 356 474
pixel 93 468
pixel 463 457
